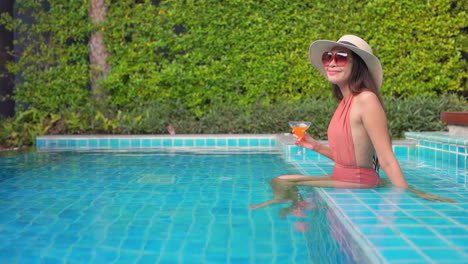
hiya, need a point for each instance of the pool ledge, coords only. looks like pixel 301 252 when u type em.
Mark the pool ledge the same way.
pixel 113 142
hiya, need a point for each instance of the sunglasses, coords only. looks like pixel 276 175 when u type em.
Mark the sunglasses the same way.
pixel 340 58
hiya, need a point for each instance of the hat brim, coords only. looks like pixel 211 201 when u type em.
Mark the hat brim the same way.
pixel 317 48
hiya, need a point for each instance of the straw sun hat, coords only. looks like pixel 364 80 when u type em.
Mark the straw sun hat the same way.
pixel 355 44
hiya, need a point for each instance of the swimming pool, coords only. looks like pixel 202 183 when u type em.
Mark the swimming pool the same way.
pixel 158 206
pixel 387 225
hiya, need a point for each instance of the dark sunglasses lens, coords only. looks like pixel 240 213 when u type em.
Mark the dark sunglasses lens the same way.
pixel 341 58
pixel 326 58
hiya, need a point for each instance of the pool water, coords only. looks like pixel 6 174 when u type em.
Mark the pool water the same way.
pixel 159 207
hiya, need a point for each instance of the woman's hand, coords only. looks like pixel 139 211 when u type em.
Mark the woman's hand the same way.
pixel 430 197
pixel 307 142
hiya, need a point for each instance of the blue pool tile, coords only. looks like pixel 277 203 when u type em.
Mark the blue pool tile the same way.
pixel 413 151
pixel 346 201
pixel 82 143
pixel 388 241
pixel 253 142
pixel 126 256
pixel 383 207
pixel 232 142
pixel 62 143
pixel 156 142
pixel 189 142
pixel 149 258
pixel 80 255
pixel 114 143
pixel 461 220
pixel 443 206
pixel 401 151
pixel 264 142
pixel 93 143
pixel 294 149
pixel 367 195
pixel 135 143
pixel 221 142
pixel 40 143
pixel 415 231
pixel 455 213
pixel 124 143
pixel 401 220
pixel 402 255
pixel 153 245
pixel 451 231
pixel 104 142
pixel 412 206
pixel 446 254
pixel 178 142
pixel 167 142
pixel 146 142
pixel 367 221
pixel 210 142
pixel 312 155
pixel 399 200
pixel 436 221
pixel 376 201
pixel 423 241
pixel 378 231
pixel 355 207
pixel 461 242
pixel 367 191
pixel 243 142
pixel 423 213
pixel 71 143
pixel 133 244
pixel 199 142
pixel 8 255
pixel 342 195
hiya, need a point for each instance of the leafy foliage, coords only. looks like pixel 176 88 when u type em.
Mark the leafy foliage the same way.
pixel 235 66
pixel 411 114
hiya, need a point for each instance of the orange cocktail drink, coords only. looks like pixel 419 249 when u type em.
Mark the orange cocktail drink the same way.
pixel 299 127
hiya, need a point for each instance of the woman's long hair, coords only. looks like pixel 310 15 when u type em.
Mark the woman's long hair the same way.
pixel 360 80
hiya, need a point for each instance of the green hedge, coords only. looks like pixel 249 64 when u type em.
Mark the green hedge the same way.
pixel 217 58
pixel 410 114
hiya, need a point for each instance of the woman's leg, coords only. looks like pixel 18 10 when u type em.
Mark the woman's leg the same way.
pixel 285 187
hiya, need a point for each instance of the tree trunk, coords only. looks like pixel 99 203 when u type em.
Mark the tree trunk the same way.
pixel 7 80
pixel 98 54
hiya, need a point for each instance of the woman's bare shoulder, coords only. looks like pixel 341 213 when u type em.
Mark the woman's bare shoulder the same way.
pixel 368 103
pixel 367 99
pixel 366 96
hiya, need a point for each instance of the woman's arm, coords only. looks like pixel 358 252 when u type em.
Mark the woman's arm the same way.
pixel 310 143
pixel 375 123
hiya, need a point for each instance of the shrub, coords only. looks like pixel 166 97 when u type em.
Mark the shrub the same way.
pixel 189 61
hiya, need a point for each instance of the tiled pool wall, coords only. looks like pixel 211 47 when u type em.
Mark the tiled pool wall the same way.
pixel 404 149
pixel 114 142
pixel 438 148
pixel 441 148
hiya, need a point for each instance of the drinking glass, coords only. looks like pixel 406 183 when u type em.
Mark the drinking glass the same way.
pixel 298 129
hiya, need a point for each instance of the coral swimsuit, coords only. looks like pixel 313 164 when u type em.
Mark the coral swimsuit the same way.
pixel 342 147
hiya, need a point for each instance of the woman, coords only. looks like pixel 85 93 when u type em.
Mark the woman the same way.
pixel 357 130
